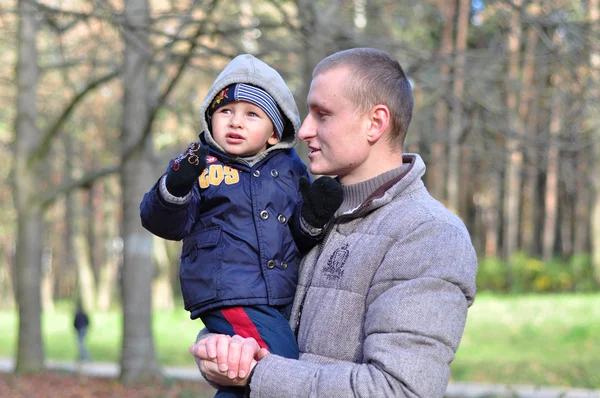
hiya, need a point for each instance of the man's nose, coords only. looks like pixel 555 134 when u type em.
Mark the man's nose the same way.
pixel 307 130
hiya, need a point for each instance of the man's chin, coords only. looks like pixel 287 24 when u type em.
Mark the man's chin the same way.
pixel 313 169
pixel 319 170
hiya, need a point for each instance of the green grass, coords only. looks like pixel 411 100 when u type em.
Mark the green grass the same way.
pixel 173 333
pixel 531 339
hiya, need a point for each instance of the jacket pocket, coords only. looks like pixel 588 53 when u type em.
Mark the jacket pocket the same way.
pixel 200 267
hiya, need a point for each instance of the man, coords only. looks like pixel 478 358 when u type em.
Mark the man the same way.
pixel 382 302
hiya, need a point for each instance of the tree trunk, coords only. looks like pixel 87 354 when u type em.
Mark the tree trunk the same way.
pixel 106 282
pixel 95 228
pixel 7 298
pixel 566 224
pixel 490 204
pixel 514 155
pixel 551 192
pixel 582 205
pixel 466 184
pixel 138 359
pixel 581 183
pixel 85 276
pixel 594 15
pixel 529 112
pixel 477 229
pixel 457 126
pixel 162 294
pixel 48 278
pixel 77 248
pixel 30 352
pixel 436 183
pixel 113 247
pixel 173 252
pixel 107 279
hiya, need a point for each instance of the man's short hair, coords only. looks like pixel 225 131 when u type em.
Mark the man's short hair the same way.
pixel 377 79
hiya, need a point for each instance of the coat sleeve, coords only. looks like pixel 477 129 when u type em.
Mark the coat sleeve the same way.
pixel 414 320
pixel 169 220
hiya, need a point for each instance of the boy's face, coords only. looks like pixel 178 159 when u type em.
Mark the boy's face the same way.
pixel 243 129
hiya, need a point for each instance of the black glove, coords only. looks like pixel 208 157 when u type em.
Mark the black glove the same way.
pixel 185 169
pixel 321 199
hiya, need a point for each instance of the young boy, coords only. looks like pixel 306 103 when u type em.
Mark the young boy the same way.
pixel 242 202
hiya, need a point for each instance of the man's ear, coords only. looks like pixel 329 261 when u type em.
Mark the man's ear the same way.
pixel 379 121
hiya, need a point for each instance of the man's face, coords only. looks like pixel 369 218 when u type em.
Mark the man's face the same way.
pixel 333 130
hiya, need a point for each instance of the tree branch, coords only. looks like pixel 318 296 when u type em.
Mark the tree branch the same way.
pixel 48 197
pixel 161 100
pixel 44 146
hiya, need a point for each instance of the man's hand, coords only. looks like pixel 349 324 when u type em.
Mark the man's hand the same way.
pixel 185 170
pixel 227 360
pixel 321 199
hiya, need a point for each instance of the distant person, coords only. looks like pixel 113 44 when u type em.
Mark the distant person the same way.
pixel 242 202
pixel 382 302
pixel 81 324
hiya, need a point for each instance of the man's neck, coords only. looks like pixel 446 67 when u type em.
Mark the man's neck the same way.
pixel 377 163
pixel 357 194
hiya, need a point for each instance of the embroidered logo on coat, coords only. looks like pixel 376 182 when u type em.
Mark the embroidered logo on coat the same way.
pixel 335 264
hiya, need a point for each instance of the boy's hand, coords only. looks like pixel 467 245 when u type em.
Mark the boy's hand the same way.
pixel 321 199
pixel 185 170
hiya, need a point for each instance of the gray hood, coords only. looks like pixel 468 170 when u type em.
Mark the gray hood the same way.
pixel 246 68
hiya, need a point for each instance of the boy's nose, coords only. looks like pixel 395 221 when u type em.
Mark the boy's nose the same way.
pixel 235 120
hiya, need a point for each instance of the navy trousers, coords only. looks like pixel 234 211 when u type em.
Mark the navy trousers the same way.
pixel 267 325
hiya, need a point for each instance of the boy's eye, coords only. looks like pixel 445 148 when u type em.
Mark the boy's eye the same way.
pixel 253 114
pixel 224 110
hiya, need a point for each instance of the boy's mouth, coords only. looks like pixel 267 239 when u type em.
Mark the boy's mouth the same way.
pixel 234 136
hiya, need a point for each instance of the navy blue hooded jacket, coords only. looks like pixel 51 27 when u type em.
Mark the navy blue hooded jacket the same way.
pixel 240 225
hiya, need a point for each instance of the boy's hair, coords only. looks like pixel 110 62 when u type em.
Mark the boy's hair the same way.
pixel 376 78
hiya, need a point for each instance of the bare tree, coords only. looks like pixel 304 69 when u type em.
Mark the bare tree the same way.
pixel 457 116
pixel 435 175
pixel 514 154
pixel 528 114
pixel 551 193
pixel 594 17
pixel 30 353
pixel 138 359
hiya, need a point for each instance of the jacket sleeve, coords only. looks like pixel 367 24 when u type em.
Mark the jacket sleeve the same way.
pixel 414 320
pixel 167 220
